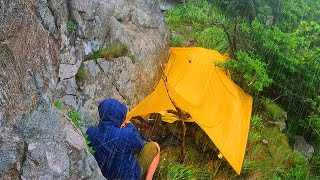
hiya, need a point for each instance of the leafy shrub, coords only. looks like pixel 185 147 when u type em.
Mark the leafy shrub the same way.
pixel 71 26
pixel 314 122
pixel 315 164
pixel 293 62
pixel 214 38
pixel 248 71
pixel 257 121
pixel 310 31
pixel 58 105
pixel 75 117
pixel 295 11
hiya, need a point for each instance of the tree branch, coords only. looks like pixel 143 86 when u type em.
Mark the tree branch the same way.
pixel 180 114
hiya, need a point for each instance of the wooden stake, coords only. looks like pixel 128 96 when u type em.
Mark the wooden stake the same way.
pixel 180 114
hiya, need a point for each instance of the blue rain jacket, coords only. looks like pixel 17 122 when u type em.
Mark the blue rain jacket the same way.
pixel 114 146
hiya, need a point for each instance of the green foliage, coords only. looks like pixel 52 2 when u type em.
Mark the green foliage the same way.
pixel 81 75
pixel 295 11
pixel 272 110
pixel 299 171
pixel 278 58
pixel 214 38
pixel 248 71
pixel 315 164
pixel 197 165
pixel 310 31
pixel 293 63
pixel 194 21
pixel 76 119
pixel 91 150
pixel 133 58
pixel 274 159
pixel 314 122
pixel 71 26
pixel 58 105
pixel 256 121
pixel 178 171
pixel 113 51
pixel 199 13
pixel 176 41
pixel 264 11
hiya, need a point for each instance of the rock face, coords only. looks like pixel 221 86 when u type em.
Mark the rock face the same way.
pixel 137 24
pixel 42 47
pixel 47 146
pixel 303 147
pixel 169 4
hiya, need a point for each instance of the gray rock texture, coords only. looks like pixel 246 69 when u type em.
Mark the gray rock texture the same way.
pixel 43 44
pixel 101 24
pixel 303 147
pixel 169 4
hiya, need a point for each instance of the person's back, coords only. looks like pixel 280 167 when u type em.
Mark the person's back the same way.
pixel 114 146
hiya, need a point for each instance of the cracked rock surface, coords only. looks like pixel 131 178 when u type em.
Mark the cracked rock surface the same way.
pixel 43 44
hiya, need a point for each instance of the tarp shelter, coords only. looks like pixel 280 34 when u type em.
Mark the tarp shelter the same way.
pixel 220 107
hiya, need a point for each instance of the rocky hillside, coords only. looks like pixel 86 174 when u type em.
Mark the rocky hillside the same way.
pixel 44 45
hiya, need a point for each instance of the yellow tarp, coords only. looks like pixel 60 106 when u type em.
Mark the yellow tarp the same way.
pixel 215 102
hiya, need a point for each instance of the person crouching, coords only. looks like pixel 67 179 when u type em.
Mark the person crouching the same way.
pixel 120 151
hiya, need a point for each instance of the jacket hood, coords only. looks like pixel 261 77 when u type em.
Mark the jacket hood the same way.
pixel 112 111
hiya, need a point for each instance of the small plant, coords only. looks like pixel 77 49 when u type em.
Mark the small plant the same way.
pixel 58 105
pixel 179 171
pixel 81 75
pixel 257 121
pixel 132 57
pixel 76 119
pixel 71 26
pixel 113 51
pixel 248 71
pixel 86 138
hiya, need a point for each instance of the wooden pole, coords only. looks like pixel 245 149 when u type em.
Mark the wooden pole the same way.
pixel 180 114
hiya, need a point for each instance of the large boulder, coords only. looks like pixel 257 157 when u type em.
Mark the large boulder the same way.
pixel 45 145
pixel 42 47
pixel 36 142
pixel 301 145
pixel 169 4
pixel 137 24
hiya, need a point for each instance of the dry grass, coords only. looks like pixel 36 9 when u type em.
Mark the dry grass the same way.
pixel 110 52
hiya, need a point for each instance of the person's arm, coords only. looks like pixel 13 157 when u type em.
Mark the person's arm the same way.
pixel 135 138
